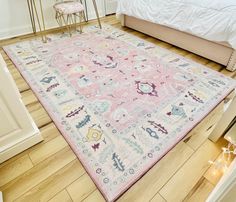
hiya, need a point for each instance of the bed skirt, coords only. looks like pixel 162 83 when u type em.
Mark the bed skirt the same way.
pixel 217 52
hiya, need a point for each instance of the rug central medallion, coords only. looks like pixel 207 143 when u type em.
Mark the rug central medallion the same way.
pixel 119 83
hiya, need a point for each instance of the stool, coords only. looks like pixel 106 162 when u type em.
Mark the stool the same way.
pixel 67 12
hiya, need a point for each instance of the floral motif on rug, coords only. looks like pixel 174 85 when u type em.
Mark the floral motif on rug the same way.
pixel 120 102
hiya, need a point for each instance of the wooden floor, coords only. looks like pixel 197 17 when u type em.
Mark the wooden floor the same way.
pixel 51 172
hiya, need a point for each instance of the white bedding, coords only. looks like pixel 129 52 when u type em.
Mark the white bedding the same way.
pixel 214 20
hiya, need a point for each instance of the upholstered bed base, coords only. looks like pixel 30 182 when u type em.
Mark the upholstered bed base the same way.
pixel 218 52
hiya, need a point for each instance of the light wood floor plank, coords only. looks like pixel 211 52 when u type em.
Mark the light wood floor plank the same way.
pixel 54 184
pixel 39 114
pixel 14 169
pixel 28 97
pixel 149 184
pixel 21 84
pixel 13 159
pixel 228 73
pixel 214 66
pixel 19 80
pixel 48 132
pixel 6 42
pixel 201 192
pixel 14 72
pixel 47 150
pixel 96 196
pixel 37 174
pixel 63 196
pixel 81 188
pixel 158 198
pixel 190 173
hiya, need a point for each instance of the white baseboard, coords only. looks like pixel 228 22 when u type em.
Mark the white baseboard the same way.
pixel 21 30
pixel 27 29
pixel 15 31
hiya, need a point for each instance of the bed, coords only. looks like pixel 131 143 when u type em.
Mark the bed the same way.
pixel 206 28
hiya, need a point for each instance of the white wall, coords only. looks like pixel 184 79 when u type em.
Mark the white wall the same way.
pixel 15 20
pixel 110 6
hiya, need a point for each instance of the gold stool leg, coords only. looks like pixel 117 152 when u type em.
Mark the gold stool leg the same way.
pixel 85 20
pixel 96 11
pixel 85 11
pixel 69 24
pixel 33 15
pixel 57 18
pixel 30 7
pixel 37 17
pixel 64 20
pixel 80 21
pixel 60 20
pixel 42 16
pixel 85 7
pixel 75 21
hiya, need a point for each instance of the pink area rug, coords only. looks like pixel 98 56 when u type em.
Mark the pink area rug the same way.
pixel 120 102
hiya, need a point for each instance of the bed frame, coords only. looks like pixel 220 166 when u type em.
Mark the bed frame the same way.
pixel 218 52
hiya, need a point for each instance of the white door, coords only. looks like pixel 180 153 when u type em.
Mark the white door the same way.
pixel 17 129
pixel 110 6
